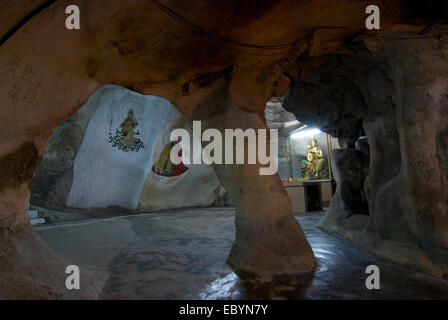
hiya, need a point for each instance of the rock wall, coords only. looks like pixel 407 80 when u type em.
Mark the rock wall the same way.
pixel 82 169
pixel 54 179
pixel 106 176
pixel 393 89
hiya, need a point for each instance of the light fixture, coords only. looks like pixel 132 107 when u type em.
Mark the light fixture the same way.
pixel 305 132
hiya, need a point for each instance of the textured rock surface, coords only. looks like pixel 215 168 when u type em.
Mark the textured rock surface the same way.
pixel 54 179
pixel 350 169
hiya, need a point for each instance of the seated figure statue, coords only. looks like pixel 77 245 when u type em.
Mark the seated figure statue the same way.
pixel 315 159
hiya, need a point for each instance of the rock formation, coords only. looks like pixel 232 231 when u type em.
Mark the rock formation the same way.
pixel 54 178
pixel 392 87
pixel 81 169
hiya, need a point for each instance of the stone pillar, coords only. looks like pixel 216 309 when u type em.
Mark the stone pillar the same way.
pixel 350 168
pixel 33 101
pixel 28 268
pixel 269 240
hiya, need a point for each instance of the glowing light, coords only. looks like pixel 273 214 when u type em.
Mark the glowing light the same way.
pixel 305 133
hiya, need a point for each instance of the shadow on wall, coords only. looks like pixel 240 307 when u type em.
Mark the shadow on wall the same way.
pixel 102 157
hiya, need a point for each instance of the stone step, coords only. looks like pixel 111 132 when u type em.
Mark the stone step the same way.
pixel 37 221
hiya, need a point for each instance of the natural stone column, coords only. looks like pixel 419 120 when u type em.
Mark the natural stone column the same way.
pixel 28 268
pixel 269 240
pixel 350 168
pixel 39 89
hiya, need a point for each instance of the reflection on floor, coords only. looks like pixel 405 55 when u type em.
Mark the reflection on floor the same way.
pixel 181 255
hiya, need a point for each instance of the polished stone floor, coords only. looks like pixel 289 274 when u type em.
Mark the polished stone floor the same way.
pixel 181 255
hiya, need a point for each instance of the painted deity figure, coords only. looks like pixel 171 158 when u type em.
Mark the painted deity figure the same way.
pixel 164 166
pixel 127 128
pixel 315 159
pixel 125 138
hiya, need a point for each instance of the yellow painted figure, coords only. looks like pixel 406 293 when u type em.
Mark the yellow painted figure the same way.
pixel 127 126
pixel 125 138
pixel 164 163
pixel 164 166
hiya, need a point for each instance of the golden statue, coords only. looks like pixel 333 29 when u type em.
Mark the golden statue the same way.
pixel 315 160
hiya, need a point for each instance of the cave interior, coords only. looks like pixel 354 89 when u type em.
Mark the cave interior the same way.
pixel 361 144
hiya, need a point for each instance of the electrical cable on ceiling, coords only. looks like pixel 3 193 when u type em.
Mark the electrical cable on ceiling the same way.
pixel 25 19
pixel 195 27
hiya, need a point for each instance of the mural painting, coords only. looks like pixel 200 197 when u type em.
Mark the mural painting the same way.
pixel 125 138
pixel 164 166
